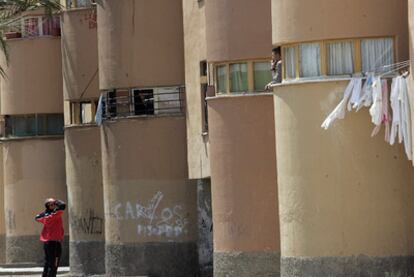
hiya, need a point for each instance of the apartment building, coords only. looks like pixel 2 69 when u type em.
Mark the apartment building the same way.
pixel 32 141
pixel 230 130
pixel 82 138
pixel 345 207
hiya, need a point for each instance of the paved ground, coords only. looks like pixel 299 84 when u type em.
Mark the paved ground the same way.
pixel 29 271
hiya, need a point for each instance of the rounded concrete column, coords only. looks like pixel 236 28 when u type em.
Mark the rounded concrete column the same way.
pixel 244 187
pixel 2 221
pixel 345 198
pixel 150 205
pixel 85 195
pixel 34 168
pixel 82 144
pixel 33 171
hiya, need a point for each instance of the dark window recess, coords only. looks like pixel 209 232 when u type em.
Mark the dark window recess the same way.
pixel 34 125
pixel 203 68
pixel 204 89
pixel 143 101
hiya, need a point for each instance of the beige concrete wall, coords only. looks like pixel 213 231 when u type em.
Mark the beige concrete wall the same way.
pixel 341 192
pixel 238 29
pixel 140 43
pixel 84 182
pixel 411 47
pixel 34 77
pixel 243 174
pixel 145 180
pixel 33 171
pixel 2 220
pixel 195 52
pixel 297 20
pixel 80 54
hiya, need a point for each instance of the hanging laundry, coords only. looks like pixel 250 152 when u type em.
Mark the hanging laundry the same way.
pixel 339 111
pixel 356 94
pixel 366 98
pixel 376 109
pixel 385 114
pixel 401 122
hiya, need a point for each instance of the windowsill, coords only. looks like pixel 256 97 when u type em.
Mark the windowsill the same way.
pixel 4 139
pixel 79 126
pixel 33 38
pixel 146 116
pixel 245 94
pixel 322 79
pixel 75 9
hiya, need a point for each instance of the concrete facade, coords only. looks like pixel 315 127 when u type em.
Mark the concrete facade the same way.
pixel 82 142
pixel 361 223
pixel 150 205
pixel 244 190
pixel 344 208
pixel 31 164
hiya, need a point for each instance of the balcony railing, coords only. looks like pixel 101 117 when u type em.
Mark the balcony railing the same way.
pixel 33 26
pixel 135 102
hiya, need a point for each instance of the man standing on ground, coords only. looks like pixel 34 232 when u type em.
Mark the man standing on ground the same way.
pixel 52 234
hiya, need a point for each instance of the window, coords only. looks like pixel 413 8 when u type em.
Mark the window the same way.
pixel 376 53
pixel 82 112
pixel 310 60
pixel 143 101
pixel 204 107
pixel 238 77
pixel 34 125
pixel 340 58
pixel 241 77
pixel 262 75
pixel 337 57
pixel 290 62
pixel 31 27
pixel 222 78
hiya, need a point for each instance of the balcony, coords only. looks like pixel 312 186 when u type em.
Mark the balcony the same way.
pixel 121 103
pixel 33 26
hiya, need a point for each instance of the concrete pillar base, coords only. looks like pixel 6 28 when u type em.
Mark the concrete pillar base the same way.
pixel 162 259
pixel 2 249
pixel 87 257
pixel 362 266
pixel 247 264
pixel 29 249
pixel 205 228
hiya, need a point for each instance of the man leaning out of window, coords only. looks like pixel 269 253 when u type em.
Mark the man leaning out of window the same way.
pixel 276 68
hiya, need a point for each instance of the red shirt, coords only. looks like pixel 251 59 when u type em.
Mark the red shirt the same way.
pixel 52 226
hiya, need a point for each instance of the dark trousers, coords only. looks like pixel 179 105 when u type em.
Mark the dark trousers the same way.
pixel 53 252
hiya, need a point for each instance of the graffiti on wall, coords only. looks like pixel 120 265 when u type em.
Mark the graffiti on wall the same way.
pixel 90 223
pixel 152 220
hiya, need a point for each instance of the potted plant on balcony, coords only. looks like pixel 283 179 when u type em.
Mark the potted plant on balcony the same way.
pixel 11 35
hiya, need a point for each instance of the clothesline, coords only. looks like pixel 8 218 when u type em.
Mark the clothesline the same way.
pixel 374 94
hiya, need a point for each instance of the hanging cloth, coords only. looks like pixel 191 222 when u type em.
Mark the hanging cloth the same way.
pixel 376 109
pixel 367 90
pixel 356 94
pixel 401 123
pixel 339 111
pixel 385 114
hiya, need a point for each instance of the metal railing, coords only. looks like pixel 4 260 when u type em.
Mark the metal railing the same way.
pixel 135 102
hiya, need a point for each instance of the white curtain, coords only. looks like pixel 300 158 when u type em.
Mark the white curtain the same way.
pixel 310 60
pixel 238 77
pixel 290 62
pixel 340 58
pixel 376 53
